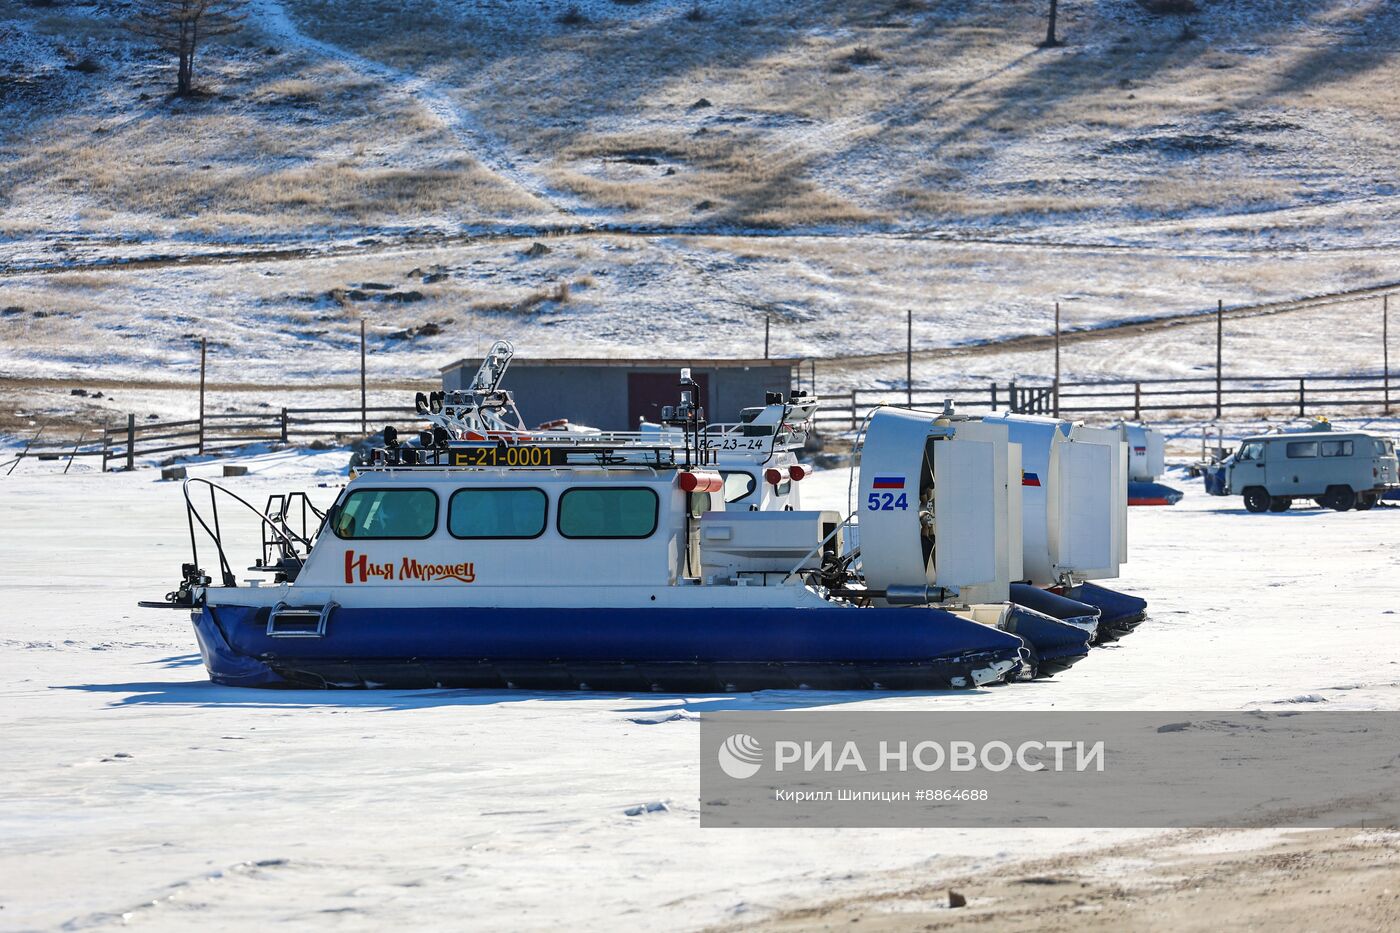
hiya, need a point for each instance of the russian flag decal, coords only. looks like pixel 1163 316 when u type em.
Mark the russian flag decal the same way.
pixel 888 482
pixel 1029 479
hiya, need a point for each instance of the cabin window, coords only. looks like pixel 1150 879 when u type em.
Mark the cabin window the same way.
pixel 1252 451
pixel 608 513
pixel 737 484
pixel 387 513
pixel 1301 450
pixel 497 513
pixel 1336 448
pixel 1382 447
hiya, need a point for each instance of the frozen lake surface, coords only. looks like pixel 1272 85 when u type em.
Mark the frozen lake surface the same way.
pixel 138 793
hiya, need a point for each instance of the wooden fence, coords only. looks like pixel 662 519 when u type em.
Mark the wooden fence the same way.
pixel 121 445
pixel 228 430
pixel 1202 396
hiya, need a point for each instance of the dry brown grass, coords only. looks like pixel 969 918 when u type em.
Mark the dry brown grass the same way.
pixel 231 161
pixel 952 116
pixel 936 202
pixel 715 178
pixel 1179 191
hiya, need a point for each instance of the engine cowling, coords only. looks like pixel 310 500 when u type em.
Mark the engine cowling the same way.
pixel 937 509
pixel 1075 498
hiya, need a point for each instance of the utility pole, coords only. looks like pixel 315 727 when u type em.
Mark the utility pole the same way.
pixel 1385 347
pixel 909 358
pixel 767 331
pixel 203 350
pixel 1057 359
pixel 1219 342
pixel 364 412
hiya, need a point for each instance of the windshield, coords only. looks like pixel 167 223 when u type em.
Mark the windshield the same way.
pixel 737 484
pixel 1253 450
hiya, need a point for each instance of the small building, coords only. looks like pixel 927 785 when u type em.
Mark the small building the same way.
pixel 615 395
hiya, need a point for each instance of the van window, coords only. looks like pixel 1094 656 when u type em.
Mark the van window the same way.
pixel 1298 450
pixel 497 513
pixel 737 484
pixel 608 513
pixel 1383 447
pixel 387 513
pixel 1336 448
pixel 1254 450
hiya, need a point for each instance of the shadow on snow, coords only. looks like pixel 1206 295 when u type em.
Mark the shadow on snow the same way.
pixel 204 694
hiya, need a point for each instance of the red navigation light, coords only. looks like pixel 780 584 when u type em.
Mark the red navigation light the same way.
pixel 774 477
pixel 701 481
pixel 796 472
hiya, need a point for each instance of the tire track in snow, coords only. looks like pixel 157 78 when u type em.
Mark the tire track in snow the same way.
pixel 485 147
pixel 375 242
pixel 849 363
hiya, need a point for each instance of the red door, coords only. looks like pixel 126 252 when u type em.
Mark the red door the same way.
pixel 648 392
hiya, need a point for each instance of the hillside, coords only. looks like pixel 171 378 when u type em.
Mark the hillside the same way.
pixel 896 113
pixel 694 168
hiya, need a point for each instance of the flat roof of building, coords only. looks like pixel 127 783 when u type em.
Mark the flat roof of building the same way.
pixel 624 363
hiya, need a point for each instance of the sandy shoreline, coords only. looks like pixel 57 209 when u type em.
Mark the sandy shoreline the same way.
pixel 1279 880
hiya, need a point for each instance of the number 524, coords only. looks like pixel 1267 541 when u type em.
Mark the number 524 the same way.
pixel 886 502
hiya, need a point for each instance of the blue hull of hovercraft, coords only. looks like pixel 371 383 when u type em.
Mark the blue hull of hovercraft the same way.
pixel 682 650
pixel 1119 613
pixel 1055 645
pixel 1072 612
pixel 1153 494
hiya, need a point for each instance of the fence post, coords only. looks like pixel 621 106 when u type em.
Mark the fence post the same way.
pixel 202 347
pixel 1219 356
pixel 1137 401
pixel 1012 403
pixel 284 425
pixel 853 409
pixel 81 437
pixel 131 441
pixel 909 358
pixel 1302 399
pixel 994 396
pixel 106 446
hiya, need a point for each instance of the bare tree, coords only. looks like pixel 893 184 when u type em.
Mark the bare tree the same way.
pixel 179 26
pixel 1050 40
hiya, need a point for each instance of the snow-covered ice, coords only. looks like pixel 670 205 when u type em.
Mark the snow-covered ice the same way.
pixel 138 793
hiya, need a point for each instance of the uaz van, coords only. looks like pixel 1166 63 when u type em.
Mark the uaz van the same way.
pixel 1338 469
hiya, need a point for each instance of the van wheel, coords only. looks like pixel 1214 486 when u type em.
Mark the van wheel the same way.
pixel 1256 499
pixel 1279 504
pixel 1366 501
pixel 1340 498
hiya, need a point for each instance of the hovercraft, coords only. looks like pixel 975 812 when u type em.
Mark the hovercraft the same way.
pixel 1074 523
pixel 1146 464
pixel 487 555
